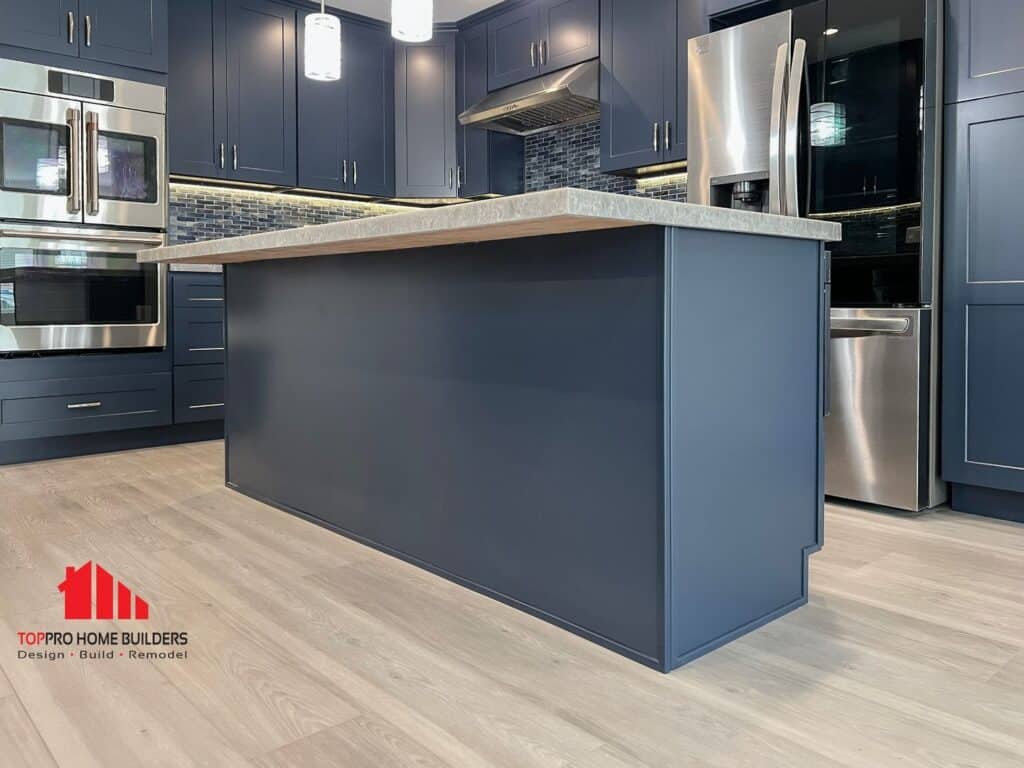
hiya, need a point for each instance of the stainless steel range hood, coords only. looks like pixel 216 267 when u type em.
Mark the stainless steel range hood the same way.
pixel 561 98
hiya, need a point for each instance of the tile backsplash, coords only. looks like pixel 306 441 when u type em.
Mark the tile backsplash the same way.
pixel 571 157
pixel 206 213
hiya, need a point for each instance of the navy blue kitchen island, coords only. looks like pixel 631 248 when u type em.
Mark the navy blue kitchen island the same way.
pixel 604 411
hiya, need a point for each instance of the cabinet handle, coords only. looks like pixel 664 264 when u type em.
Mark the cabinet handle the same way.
pixel 206 405
pixel 71 27
pixel 88 31
pixel 344 171
pixel 82 406
pixel 206 349
pixel 533 54
pixel 668 135
pixel 543 51
pixel 355 173
pixel 234 157
pixel 222 155
pixel 459 177
pixel 656 142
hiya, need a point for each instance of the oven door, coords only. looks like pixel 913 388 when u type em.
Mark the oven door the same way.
pixel 40 151
pixel 125 176
pixel 68 289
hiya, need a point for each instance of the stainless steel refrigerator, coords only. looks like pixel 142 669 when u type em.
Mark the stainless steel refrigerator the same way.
pixel 832 109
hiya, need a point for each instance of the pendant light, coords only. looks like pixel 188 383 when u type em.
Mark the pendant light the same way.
pixel 323 45
pixel 412 20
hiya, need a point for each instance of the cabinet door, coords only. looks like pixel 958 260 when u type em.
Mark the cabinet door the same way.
pixel 637 38
pixel 471 86
pixel 261 92
pixel 569 33
pixel 691 21
pixel 983 303
pixel 514 46
pixel 43 25
pixel 370 73
pixel 323 125
pixel 425 118
pixel 985 54
pixel 132 33
pixel 196 106
pixel 721 6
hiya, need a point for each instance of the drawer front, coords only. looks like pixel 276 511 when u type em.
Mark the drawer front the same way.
pixel 198 336
pixel 197 289
pixel 78 406
pixel 198 393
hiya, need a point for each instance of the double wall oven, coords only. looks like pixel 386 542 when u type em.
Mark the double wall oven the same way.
pixel 83 188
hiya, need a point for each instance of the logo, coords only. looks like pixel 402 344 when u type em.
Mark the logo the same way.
pixel 78 595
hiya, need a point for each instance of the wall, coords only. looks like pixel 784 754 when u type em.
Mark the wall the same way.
pixel 571 157
pixel 206 213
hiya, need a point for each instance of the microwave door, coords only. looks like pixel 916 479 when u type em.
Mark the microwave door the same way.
pixel 125 175
pixel 41 150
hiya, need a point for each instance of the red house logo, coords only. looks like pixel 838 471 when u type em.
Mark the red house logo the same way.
pixel 78 595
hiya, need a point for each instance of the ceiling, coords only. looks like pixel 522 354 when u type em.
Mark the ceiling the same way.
pixel 444 10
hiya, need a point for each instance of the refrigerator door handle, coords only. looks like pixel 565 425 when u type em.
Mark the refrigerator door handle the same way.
pixel 888 326
pixel 775 179
pixel 791 180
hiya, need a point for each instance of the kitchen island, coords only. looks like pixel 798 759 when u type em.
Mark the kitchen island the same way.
pixel 603 410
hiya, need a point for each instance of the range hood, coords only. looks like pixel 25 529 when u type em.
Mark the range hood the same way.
pixel 561 98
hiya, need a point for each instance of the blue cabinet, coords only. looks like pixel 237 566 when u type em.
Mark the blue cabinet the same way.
pixel 541 37
pixel 983 302
pixel 130 33
pixel 985 54
pixel 198 346
pixel 197 80
pixel 346 127
pixel 425 140
pixel 721 6
pixel 643 80
pixel 489 162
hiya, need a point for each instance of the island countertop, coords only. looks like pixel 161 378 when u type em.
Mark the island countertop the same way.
pixel 558 211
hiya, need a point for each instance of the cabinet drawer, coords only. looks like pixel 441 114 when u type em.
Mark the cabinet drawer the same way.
pixel 198 336
pixel 78 406
pixel 198 393
pixel 197 289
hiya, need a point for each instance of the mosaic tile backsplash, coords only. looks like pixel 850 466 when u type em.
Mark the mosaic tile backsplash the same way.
pixel 206 213
pixel 571 157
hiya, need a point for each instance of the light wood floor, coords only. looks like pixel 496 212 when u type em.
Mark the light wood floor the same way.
pixel 309 650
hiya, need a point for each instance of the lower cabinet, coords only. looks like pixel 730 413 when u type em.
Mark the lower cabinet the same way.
pixel 198 346
pixel 983 302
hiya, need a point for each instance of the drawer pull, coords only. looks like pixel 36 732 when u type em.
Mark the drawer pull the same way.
pixel 195 299
pixel 208 405
pixel 81 406
pixel 206 349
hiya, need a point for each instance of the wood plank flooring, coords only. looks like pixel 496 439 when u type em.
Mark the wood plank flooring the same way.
pixel 307 650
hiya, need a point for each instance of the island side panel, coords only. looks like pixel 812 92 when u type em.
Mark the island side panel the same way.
pixel 489 411
pixel 744 340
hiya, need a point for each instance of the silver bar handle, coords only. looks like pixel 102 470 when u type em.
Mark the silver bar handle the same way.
pixel 111 237
pixel 221 155
pixel 83 406
pixel 668 135
pixel 234 157
pixel 791 175
pixel 206 405
pixel 656 142
pixel 543 51
pixel 460 177
pixel 896 326
pixel 451 178
pixel 206 349
pixel 71 27
pixel 74 120
pixel 355 173
pixel 344 171
pixel 88 31
pixel 92 162
pixel 533 54
pixel 775 180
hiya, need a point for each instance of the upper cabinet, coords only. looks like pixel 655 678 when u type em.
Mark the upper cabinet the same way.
pixel 425 134
pixel 130 33
pixel 231 90
pixel 541 37
pixel 643 80
pixel 346 127
pixel 985 54
pixel 721 6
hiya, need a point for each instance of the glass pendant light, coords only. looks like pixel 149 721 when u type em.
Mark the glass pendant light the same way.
pixel 412 20
pixel 323 45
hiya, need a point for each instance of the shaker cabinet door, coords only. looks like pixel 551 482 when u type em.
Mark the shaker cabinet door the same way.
pixel 570 33
pixel 132 33
pixel 196 105
pixel 984 48
pixel 514 46
pixel 42 25
pixel 261 92
pixel 471 87
pixel 370 72
pixel 322 125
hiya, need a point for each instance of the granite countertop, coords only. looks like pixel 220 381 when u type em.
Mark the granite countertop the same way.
pixel 553 212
